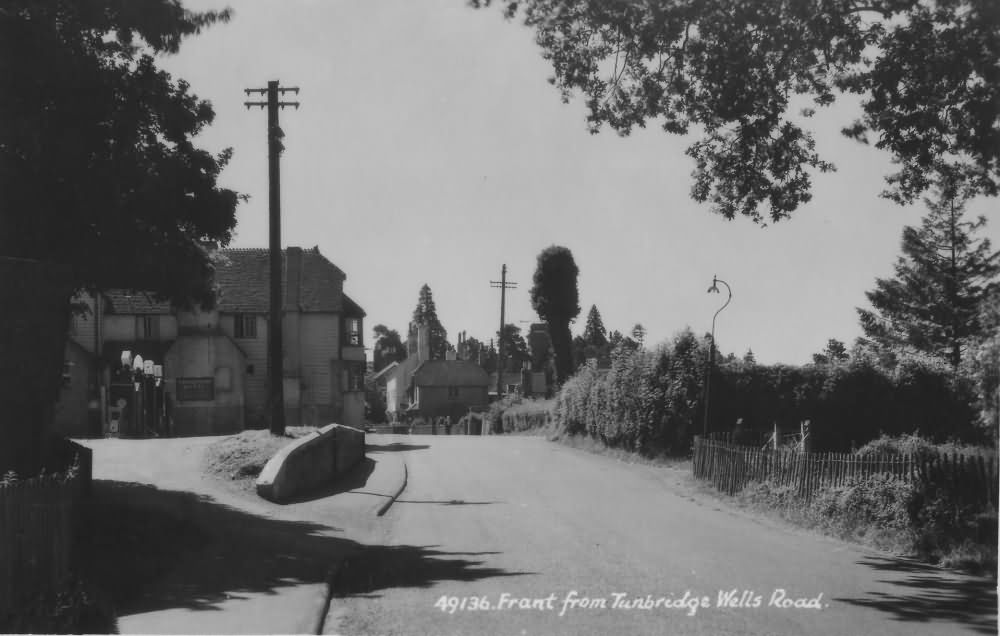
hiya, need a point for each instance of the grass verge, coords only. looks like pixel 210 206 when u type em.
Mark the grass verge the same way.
pixel 238 459
pixel 890 516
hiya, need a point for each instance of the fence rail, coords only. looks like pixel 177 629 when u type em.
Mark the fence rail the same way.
pixel 730 467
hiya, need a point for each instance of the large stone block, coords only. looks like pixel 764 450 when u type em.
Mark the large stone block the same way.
pixel 311 461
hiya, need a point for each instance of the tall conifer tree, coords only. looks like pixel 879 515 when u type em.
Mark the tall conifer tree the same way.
pixel 425 313
pixel 932 303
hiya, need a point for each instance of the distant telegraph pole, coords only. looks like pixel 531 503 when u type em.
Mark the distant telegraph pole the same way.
pixel 276 396
pixel 504 286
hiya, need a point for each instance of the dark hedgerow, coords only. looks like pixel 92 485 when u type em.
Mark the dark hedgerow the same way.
pixel 652 401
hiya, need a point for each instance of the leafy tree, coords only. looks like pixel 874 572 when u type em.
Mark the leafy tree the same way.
pixel 425 313
pixel 982 364
pixel 619 342
pixel 835 351
pixel 388 347
pixel 556 299
pixel 581 351
pixel 749 358
pixel 733 71
pixel 594 332
pixel 932 303
pixel 515 349
pixel 100 180
pixel 97 167
pixel 639 334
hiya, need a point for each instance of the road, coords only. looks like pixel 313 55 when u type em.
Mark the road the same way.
pixel 558 541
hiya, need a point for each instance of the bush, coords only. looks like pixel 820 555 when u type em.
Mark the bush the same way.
pixel 493 418
pixel 652 401
pixel 919 446
pixel 893 515
pixel 526 414
pixel 647 402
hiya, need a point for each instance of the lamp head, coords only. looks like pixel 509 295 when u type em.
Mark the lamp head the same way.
pixel 714 289
pixel 126 359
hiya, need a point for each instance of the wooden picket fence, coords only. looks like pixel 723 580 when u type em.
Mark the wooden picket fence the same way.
pixel 39 524
pixel 730 467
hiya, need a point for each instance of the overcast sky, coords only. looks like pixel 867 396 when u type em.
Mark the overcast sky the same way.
pixel 430 148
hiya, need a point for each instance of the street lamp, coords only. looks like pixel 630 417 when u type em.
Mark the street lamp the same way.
pixel 714 289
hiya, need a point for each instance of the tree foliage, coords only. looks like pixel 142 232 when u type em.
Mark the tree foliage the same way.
pixel 425 313
pixel 556 298
pixel 97 166
pixel 653 401
pixel 388 347
pixel 733 72
pixel 982 364
pixel 932 303
pixel 594 332
pixel 834 351
pixel 515 348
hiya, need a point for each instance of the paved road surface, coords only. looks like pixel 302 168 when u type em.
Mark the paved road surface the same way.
pixel 504 519
pixel 183 553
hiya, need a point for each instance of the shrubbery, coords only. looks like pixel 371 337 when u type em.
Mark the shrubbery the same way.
pixel 910 518
pixel 652 401
pixel 526 414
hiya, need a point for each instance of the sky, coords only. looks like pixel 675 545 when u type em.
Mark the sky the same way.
pixel 430 148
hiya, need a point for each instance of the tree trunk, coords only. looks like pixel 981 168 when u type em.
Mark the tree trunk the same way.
pixel 35 298
pixel 562 348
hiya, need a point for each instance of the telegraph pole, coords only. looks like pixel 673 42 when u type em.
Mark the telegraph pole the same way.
pixel 504 286
pixel 276 395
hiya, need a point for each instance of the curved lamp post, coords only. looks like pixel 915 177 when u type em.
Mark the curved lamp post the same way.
pixel 711 351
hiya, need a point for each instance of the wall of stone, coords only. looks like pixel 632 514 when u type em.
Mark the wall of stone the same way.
pixel 311 461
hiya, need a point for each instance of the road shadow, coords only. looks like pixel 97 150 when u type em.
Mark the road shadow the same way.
pixel 353 479
pixel 384 567
pixel 395 447
pixel 149 549
pixel 924 593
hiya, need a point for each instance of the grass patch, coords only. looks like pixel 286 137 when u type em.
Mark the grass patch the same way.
pixel 592 445
pixel 240 458
pixel 888 515
pixel 884 514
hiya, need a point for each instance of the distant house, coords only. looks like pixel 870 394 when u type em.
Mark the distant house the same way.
pixel 419 386
pixel 214 363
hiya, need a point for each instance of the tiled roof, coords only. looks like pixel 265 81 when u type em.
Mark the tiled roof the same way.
pixel 244 279
pixel 352 308
pixel 450 373
pixel 134 302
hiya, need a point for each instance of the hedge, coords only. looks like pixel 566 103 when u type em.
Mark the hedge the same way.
pixel 652 401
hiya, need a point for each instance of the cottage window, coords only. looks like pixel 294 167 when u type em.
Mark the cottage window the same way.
pixel 245 326
pixel 149 327
pixel 354 331
pixel 355 376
